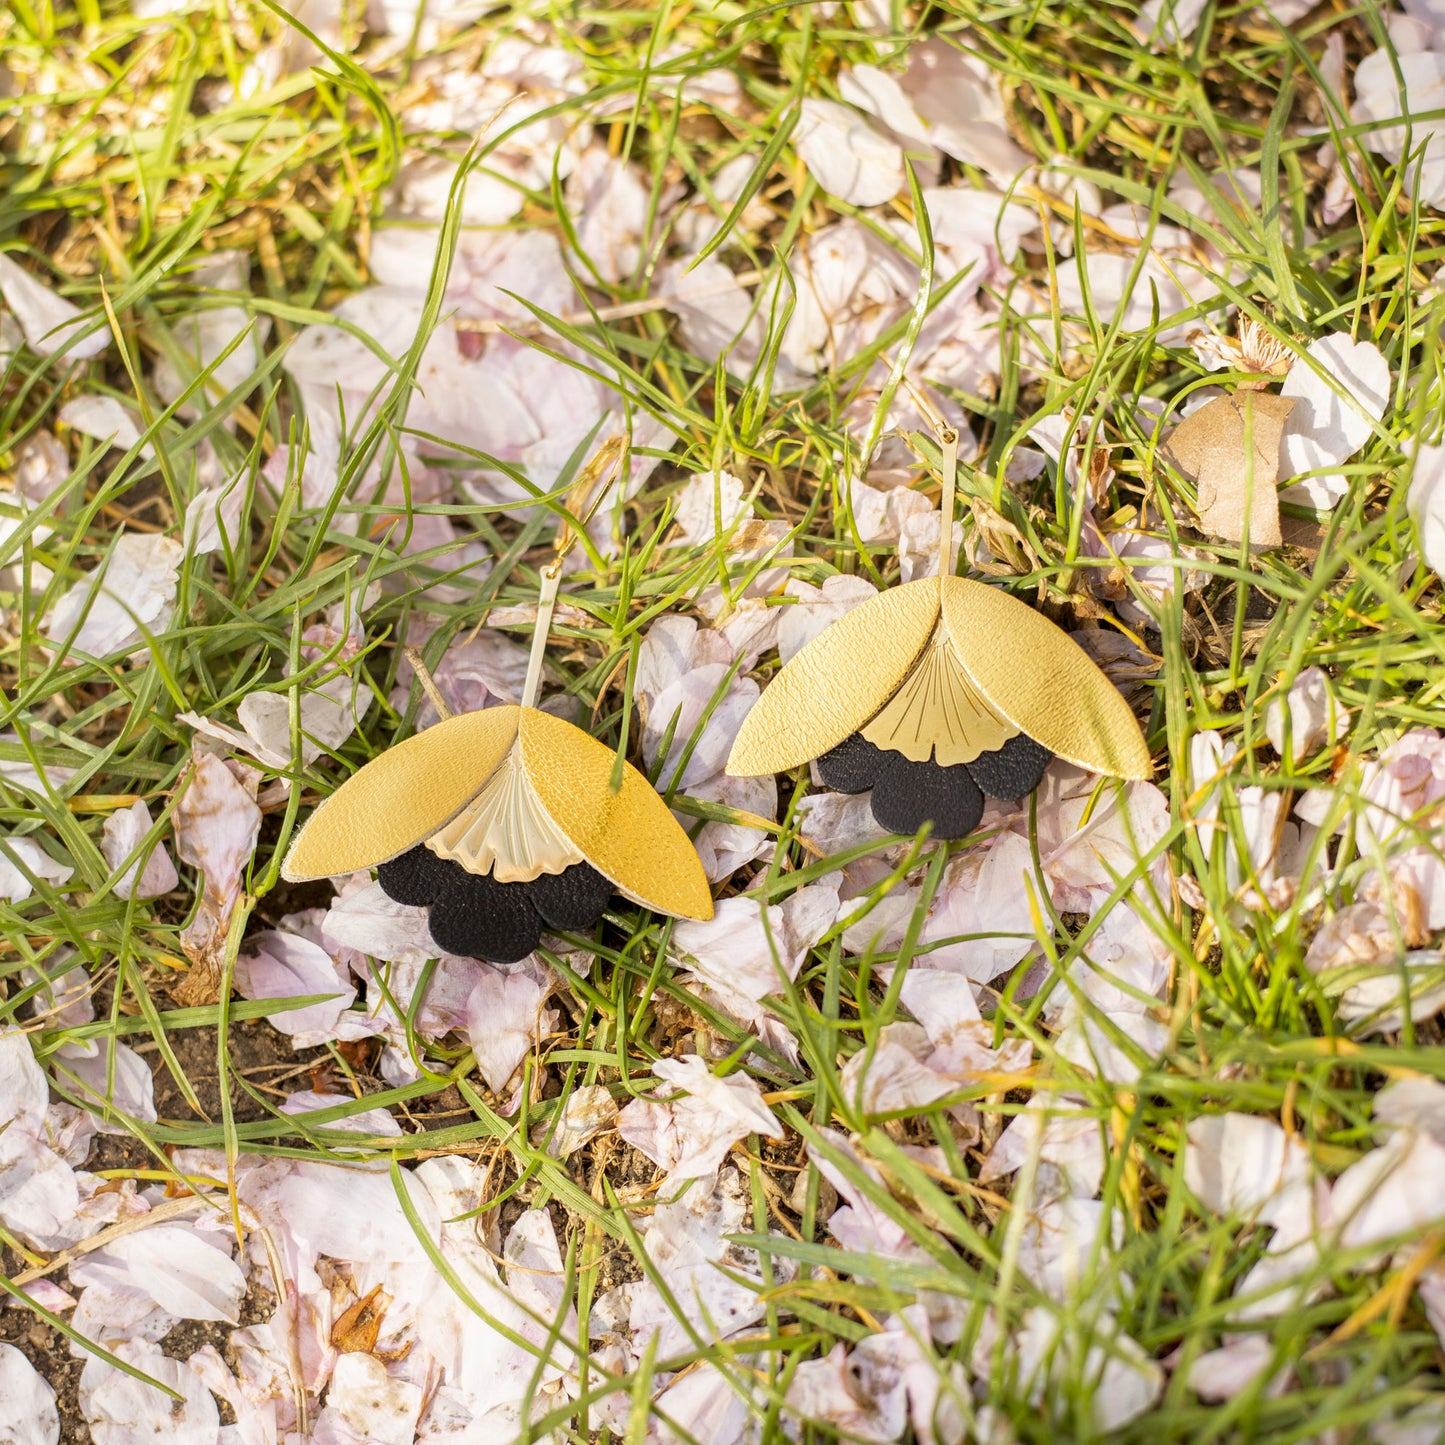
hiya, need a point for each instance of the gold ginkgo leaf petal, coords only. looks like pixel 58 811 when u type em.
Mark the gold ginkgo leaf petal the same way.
pixel 837 682
pixel 1042 681
pixel 628 836
pixel 403 795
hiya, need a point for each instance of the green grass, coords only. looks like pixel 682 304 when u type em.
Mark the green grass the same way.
pixel 112 184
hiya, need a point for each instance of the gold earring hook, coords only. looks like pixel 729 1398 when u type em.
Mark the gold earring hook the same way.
pixel 604 468
pixel 947 435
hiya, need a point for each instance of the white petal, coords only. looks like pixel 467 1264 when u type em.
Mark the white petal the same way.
pixel 373 1406
pixel 1315 718
pixel 1427 503
pixel 213 518
pixel 27 1404
pixel 1333 411
pixel 1229 1371
pixel 1241 1163
pixel 50 323
pixel 845 155
pixel 122 1410
pixel 129 1088
pixel 176 1265
pixel 124 831
pixel 134 589
pixel 708 506
pixel 506 1020
pixel 959 100
pixel 282 965
pixel 1168 22
pixel 21 856
pixel 816 608
pixel 102 417
pixel 1377 97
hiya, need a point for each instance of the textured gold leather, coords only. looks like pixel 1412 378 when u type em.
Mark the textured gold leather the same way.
pixel 413 791
pixel 403 795
pixel 1035 675
pixel 957 665
pixel 628 836
pixel 837 682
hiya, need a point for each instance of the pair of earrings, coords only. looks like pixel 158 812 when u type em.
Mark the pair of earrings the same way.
pixel 509 821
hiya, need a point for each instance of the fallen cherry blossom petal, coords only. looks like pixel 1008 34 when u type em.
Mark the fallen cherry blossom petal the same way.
pixel 958 98
pixel 690 1136
pixel 830 1392
pixel 1393 1191
pixel 587 1112
pixel 893 1077
pixel 27 1404
pixel 104 419
pixel 1089 1042
pixel 1067 1141
pixel 1308 715
pixel 716 313
pixel 217 823
pixel 1221 1374
pixel 130 1092
pixel 743 952
pixel 23 859
pixel 1047 1351
pixel 1164 23
pixel 373 1405
pixel 506 1020
pixel 50 323
pixel 1244 1164
pixel 1340 387
pixel 123 833
pixel 213 519
pixel 1427 503
pixel 204 334
pixel 707 506
pixel 817 608
pixel 282 965
pixel 851 287
pixel 177 1265
pixel 1380 95
pixel 131 593
pixel 845 155
pixel 703 1406
pixel 610 198
pixel 121 1410
pixel 687 1246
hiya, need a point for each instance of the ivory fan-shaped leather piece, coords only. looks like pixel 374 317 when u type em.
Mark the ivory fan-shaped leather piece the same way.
pixel 840 680
pixel 1020 674
pixel 1037 677
pixel 505 830
pixel 1229 449
pixel 413 791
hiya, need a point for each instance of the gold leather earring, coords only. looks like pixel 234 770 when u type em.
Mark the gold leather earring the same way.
pixel 936 693
pixel 508 821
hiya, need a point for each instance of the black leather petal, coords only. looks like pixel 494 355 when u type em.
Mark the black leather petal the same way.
pixel 573 899
pixel 417 877
pixel 853 766
pixel 481 918
pixel 907 795
pixel 1012 771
